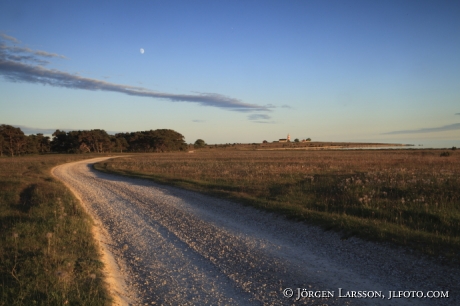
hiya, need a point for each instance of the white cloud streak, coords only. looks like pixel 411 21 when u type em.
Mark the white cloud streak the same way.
pixel 14 49
pixel 258 117
pixel 15 68
pixel 10 38
pixel 265 122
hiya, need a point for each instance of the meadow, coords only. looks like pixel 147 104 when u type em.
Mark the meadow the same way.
pixel 405 197
pixel 47 252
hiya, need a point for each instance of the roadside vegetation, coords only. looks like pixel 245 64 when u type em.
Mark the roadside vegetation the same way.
pixel 13 142
pixel 47 252
pixel 407 197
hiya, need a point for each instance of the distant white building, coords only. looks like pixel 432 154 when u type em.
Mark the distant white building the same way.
pixel 288 139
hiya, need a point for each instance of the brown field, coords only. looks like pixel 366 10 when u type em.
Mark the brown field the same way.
pixel 409 197
pixel 309 145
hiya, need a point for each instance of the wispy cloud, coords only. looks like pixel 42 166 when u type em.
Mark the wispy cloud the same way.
pixel 15 49
pixel 17 68
pixel 285 106
pixel 199 121
pixel 265 122
pixel 258 117
pixel 20 58
pixel 450 127
pixel 10 38
pixel 457 114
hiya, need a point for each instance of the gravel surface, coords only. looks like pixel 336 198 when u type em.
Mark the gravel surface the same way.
pixel 176 247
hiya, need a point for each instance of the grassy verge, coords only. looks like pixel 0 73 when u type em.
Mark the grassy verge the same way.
pixel 408 197
pixel 47 253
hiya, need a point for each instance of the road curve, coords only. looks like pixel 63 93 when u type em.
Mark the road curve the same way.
pixel 176 247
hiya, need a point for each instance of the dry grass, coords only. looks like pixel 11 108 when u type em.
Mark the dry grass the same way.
pixel 47 253
pixel 410 197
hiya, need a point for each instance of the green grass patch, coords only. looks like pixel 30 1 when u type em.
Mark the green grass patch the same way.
pixel 47 252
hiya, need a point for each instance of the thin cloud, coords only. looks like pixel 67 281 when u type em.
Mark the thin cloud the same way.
pixel 199 121
pixel 457 114
pixel 450 127
pixel 47 54
pixel 20 72
pixel 10 38
pixel 258 117
pixel 265 122
pixel 285 106
pixel 22 58
pixel 15 70
pixel 15 49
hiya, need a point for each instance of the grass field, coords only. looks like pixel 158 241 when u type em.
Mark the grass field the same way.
pixel 47 253
pixel 408 197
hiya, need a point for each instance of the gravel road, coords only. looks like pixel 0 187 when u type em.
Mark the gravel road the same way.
pixel 175 247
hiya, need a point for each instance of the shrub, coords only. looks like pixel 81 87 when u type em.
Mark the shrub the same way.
pixel 445 154
pixel 199 143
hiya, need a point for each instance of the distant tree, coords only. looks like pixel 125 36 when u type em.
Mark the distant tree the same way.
pixel 14 140
pixel 264 141
pixel 199 143
pixel 37 144
pixel 94 140
pixel 99 141
pixel 70 142
pixel 296 140
pixel 161 140
pixel 119 143
pixel 32 144
pixel 44 144
pixel 308 139
pixel 168 140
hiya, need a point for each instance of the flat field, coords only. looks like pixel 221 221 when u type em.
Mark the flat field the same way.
pixel 408 197
pixel 47 252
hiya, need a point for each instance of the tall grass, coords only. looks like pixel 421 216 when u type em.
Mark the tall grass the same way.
pixel 409 197
pixel 47 253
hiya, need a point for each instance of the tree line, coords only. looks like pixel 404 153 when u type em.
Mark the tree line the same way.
pixel 14 142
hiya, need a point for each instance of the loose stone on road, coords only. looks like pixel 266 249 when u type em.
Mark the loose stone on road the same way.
pixel 176 247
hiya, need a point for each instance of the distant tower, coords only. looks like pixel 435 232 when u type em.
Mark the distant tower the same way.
pixel 289 138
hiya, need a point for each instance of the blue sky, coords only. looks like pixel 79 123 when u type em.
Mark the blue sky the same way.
pixel 235 71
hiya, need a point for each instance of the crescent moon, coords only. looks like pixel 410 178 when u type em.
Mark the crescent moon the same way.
pixel 142 51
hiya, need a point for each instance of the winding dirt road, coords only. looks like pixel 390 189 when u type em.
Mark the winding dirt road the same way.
pixel 174 247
